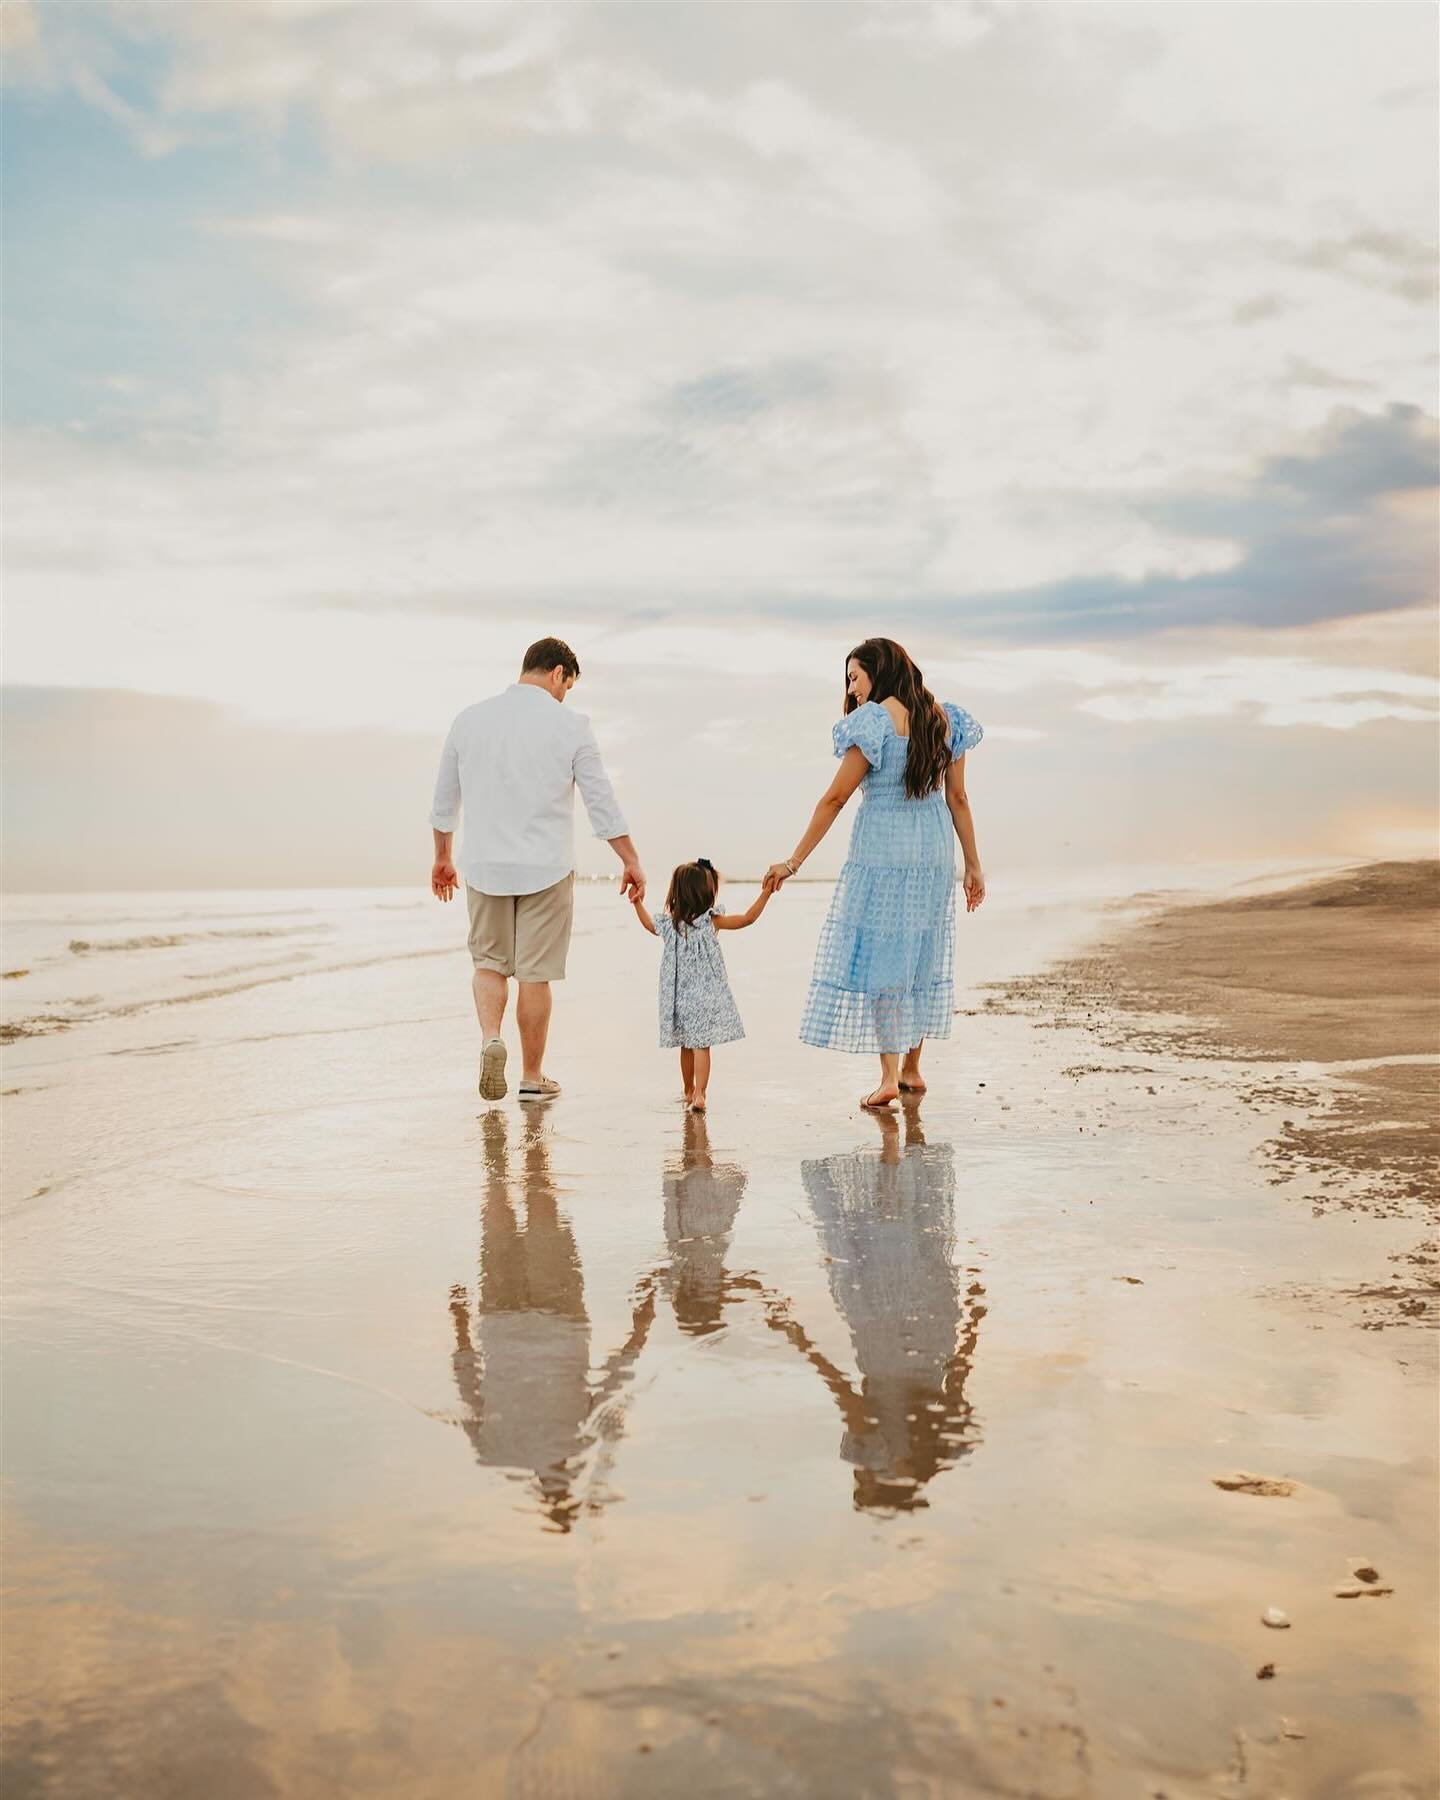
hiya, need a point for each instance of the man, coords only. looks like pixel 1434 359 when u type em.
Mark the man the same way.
pixel 514 763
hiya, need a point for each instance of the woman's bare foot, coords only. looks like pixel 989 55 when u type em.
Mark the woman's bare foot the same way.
pixel 882 1097
pixel 697 1103
pixel 913 1084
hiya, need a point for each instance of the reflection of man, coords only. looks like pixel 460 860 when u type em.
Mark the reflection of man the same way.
pixel 525 1374
pixel 513 762
pixel 522 1361
pixel 886 1223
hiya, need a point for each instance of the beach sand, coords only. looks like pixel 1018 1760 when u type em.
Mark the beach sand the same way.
pixel 1339 974
pixel 362 1438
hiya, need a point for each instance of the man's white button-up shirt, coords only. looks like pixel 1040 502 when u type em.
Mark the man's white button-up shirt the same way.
pixel 513 763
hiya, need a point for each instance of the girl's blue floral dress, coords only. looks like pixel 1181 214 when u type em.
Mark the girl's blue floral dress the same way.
pixel 697 1009
pixel 884 969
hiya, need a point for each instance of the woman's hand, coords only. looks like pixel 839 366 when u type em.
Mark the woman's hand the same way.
pixel 974 885
pixel 776 876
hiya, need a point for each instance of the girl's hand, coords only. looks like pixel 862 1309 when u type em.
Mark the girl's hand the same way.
pixel 776 876
pixel 974 885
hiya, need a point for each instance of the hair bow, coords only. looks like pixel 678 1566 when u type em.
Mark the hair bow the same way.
pixel 704 862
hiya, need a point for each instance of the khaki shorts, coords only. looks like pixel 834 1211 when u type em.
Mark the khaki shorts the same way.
pixel 524 935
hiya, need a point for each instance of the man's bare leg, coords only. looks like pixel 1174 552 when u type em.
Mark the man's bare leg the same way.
pixel 491 992
pixel 532 1014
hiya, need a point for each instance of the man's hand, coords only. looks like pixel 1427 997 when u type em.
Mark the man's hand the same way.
pixel 444 880
pixel 632 882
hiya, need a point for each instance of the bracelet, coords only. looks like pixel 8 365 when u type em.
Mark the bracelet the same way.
pixel 791 866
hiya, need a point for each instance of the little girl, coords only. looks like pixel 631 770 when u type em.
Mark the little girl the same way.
pixel 697 1009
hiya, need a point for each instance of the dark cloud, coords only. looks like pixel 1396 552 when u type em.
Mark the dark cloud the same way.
pixel 1361 456
pixel 1318 541
pixel 1261 307
pixel 1393 260
pixel 743 393
pixel 1301 372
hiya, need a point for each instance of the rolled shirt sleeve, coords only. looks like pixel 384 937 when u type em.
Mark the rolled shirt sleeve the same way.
pixel 445 813
pixel 606 818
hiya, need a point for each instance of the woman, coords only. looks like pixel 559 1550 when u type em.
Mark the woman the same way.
pixel 883 976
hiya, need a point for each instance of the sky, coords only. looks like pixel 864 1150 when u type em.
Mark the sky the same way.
pixel 1090 351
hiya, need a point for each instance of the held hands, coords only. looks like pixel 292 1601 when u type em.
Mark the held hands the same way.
pixel 632 883
pixel 443 880
pixel 776 876
pixel 974 886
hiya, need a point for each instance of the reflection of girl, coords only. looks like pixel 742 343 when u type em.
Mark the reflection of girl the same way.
pixel 886 1223
pixel 884 976
pixel 702 1198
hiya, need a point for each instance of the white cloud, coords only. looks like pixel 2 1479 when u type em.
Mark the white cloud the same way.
pixel 770 336
pixel 1278 691
pixel 948 25
pixel 153 138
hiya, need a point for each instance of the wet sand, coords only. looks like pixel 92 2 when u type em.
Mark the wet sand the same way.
pixel 365 1439
pixel 1336 978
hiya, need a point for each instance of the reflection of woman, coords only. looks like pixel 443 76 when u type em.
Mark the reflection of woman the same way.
pixel 702 1198
pixel 884 976
pixel 886 1223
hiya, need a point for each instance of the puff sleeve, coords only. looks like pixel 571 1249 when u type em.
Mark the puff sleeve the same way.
pixel 965 732
pixel 866 730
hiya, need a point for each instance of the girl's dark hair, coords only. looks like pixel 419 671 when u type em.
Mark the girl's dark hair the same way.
pixel 894 677
pixel 693 888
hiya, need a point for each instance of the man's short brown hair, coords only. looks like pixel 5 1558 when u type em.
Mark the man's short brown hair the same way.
pixel 550 653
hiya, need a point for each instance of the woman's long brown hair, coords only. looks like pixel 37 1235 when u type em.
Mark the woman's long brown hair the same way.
pixel 893 676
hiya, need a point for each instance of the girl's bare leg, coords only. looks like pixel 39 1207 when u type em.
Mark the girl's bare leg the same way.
pixel 911 1080
pixel 889 1089
pixel 687 1073
pixel 701 1082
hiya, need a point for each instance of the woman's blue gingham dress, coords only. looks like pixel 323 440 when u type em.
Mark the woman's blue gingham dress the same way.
pixel 884 969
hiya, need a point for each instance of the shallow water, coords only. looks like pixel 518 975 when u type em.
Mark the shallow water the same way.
pixel 362 1438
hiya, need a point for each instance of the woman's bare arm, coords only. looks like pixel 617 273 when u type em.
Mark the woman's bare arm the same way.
pixel 852 771
pixel 964 823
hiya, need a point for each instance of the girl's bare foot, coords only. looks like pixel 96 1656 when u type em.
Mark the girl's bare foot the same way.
pixel 882 1097
pixel 697 1103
